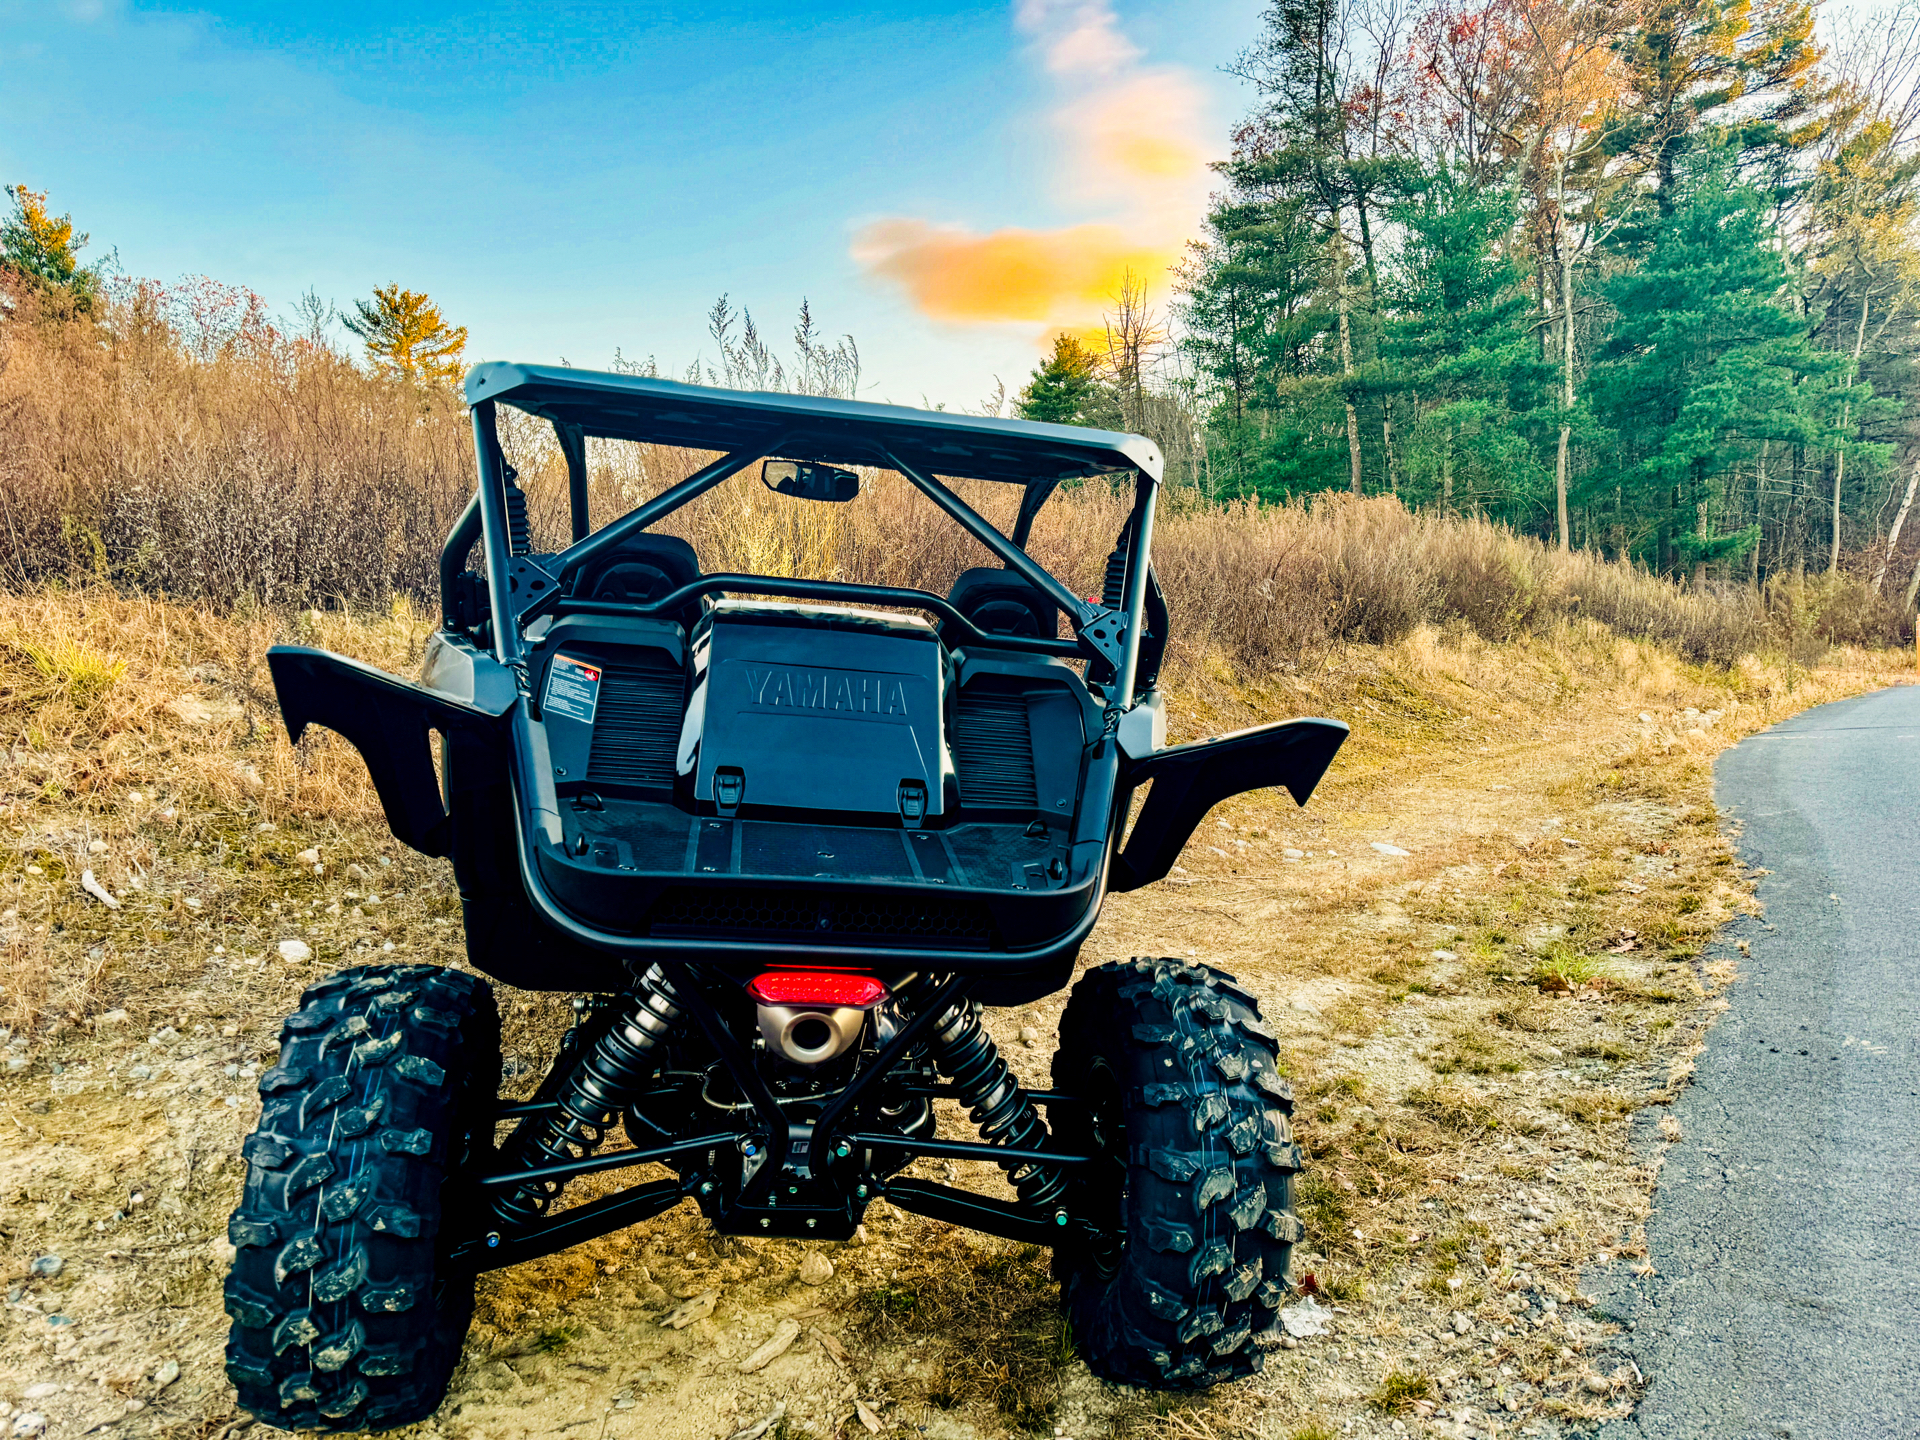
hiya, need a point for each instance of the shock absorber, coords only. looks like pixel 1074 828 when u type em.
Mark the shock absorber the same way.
pixel 997 1104
pixel 595 1092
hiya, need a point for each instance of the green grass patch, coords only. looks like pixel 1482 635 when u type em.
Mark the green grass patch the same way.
pixel 554 1338
pixel 1562 967
pixel 1399 1390
pixel 1476 1056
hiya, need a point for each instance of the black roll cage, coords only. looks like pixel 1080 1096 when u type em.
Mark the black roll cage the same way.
pixel 522 588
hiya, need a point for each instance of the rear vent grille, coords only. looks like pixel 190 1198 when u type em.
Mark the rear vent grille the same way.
pixel 637 727
pixel 748 910
pixel 994 751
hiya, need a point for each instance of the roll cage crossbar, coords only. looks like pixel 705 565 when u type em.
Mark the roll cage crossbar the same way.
pixel 816 590
pixel 521 588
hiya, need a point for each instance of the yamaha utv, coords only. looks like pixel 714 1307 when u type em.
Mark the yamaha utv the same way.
pixel 783 839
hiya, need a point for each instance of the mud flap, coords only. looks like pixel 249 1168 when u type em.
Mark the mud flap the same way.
pixel 388 721
pixel 1190 780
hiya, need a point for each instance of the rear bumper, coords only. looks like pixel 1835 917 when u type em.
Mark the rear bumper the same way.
pixel 718 897
pixel 689 912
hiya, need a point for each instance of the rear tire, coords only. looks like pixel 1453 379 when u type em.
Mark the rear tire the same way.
pixel 1192 1205
pixel 346 1314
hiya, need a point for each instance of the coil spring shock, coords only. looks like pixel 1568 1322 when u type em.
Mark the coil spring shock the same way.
pixel 963 1049
pixel 595 1092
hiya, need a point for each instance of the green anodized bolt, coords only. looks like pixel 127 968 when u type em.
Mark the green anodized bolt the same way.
pixel 843 1150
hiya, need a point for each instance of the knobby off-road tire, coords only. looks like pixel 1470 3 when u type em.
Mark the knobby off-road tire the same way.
pixel 1194 1199
pixel 345 1312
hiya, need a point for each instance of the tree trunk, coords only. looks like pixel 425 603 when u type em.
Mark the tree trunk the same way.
pixel 1447 474
pixel 1700 576
pixel 1841 459
pixel 1347 356
pixel 1387 447
pixel 1894 531
pixel 1567 363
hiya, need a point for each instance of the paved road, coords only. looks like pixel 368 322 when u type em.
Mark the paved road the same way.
pixel 1784 1237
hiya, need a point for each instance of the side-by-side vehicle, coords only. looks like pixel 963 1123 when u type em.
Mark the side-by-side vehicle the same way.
pixel 783 839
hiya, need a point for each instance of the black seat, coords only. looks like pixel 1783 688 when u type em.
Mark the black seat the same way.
pixel 1002 603
pixel 644 568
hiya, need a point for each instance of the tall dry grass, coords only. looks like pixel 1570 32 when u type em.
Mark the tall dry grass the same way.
pixel 186 446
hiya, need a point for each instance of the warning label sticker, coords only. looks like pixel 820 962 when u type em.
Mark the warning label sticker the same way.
pixel 573 689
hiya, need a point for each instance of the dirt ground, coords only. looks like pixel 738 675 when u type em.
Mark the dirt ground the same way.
pixel 1487 944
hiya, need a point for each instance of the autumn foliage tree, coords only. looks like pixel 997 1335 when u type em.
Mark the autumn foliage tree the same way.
pixel 406 335
pixel 43 251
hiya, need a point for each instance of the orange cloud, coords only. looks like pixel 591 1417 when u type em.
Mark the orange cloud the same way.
pixel 1132 150
pixel 1054 277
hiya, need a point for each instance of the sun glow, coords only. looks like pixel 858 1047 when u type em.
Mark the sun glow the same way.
pixel 1129 148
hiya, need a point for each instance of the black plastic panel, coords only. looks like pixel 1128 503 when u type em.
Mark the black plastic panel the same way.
pixel 819 711
pixel 660 839
pixel 1189 780
pixel 821 916
pixel 845 852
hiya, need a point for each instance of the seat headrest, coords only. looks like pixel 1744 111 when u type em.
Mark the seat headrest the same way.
pixel 640 568
pixel 1002 603
pixel 643 568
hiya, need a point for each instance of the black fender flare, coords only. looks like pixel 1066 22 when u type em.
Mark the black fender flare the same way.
pixel 1190 780
pixel 389 721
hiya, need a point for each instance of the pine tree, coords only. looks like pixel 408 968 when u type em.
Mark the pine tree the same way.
pixel 1460 354
pixel 406 335
pixel 1693 62
pixel 44 252
pixel 1252 324
pixel 1063 387
pixel 1705 363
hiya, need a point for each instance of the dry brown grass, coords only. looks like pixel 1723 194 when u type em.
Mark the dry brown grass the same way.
pixel 139 740
pixel 996 1309
pixel 187 446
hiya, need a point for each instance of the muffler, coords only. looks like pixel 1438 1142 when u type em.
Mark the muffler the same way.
pixel 810 1017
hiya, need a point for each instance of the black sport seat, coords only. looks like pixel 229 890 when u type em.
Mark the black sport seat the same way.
pixel 1001 603
pixel 643 568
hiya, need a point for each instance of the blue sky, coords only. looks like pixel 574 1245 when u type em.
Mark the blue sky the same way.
pixel 574 178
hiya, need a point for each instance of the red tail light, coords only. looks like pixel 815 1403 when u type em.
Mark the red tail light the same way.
pixel 816 988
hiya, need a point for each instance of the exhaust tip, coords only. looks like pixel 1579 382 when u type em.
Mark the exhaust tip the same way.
pixel 812 1036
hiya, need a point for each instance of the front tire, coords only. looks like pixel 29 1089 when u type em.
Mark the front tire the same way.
pixel 346 1313
pixel 1181 1281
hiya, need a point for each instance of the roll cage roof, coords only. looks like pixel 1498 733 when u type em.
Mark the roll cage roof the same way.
pixel 837 432
pixel 747 426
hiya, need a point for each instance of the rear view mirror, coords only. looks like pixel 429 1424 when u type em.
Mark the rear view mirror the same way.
pixel 808 481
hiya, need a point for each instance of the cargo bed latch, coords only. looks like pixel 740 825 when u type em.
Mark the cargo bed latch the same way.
pixel 913 804
pixel 730 782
